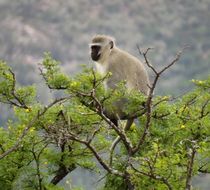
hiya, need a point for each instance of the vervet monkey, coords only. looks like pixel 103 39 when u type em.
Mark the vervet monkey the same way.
pixel 122 66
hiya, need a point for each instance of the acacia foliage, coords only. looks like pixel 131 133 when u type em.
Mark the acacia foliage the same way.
pixel 163 150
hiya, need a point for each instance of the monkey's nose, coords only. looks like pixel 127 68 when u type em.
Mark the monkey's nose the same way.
pixel 95 57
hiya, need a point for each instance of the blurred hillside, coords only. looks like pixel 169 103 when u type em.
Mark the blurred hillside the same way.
pixel 28 28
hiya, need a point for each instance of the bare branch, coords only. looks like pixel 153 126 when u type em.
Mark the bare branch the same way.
pixel 150 96
pixel 146 59
pixel 178 55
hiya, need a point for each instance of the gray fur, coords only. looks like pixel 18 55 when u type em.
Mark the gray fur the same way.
pixel 124 67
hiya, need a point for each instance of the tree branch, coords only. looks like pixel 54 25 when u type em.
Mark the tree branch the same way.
pixel 153 176
pixel 96 155
pixel 190 168
pixel 63 170
pixel 25 131
pixel 99 110
pixel 150 96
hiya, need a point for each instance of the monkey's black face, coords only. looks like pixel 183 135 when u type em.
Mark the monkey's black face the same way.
pixel 95 52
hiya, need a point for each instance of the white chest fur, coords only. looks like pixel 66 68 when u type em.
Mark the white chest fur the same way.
pixel 101 68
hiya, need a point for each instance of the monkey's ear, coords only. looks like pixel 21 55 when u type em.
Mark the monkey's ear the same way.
pixel 111 44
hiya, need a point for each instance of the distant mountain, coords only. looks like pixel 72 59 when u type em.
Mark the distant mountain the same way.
pixel 30 27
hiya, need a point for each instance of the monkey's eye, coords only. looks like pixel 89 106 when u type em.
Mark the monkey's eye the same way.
pixel 95 48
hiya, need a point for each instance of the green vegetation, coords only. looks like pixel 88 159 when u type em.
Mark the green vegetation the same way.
pixel 30 27
pixel 164 150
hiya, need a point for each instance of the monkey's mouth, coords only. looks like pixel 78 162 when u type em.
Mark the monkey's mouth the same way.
pixel 95 56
